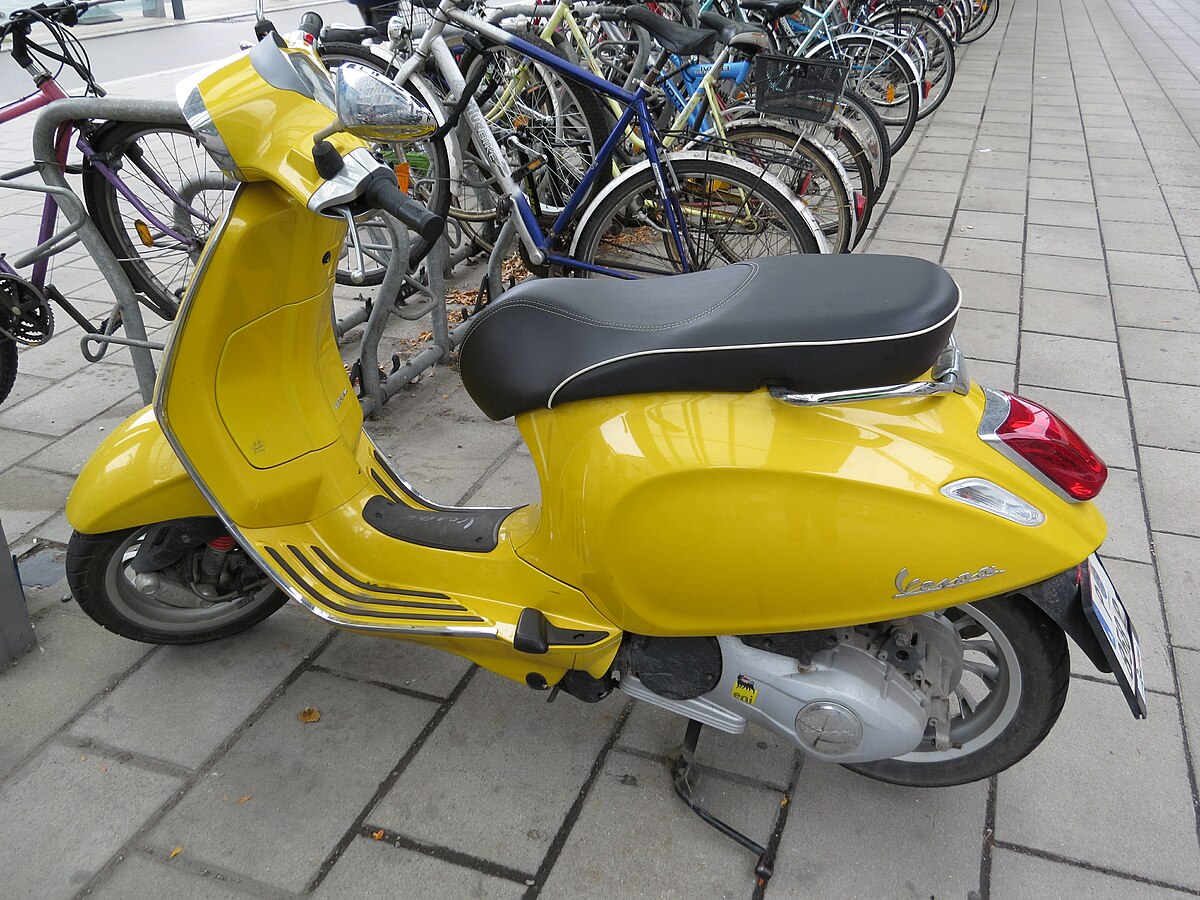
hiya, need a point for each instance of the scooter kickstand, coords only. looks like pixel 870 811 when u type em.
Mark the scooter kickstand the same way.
pixel 680 769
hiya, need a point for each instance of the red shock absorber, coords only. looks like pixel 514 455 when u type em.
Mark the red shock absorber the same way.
pixel 224 543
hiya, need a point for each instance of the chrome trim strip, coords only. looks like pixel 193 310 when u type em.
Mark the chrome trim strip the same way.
pixel 347 184
pixel 949 372
pixel 994 413
pixel 847 341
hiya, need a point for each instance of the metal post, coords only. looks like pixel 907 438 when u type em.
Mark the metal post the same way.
pixel 16 634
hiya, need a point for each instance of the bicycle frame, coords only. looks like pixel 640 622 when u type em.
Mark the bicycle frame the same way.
pixel 538 243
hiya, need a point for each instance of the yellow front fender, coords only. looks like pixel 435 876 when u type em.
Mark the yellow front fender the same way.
pixel 134 478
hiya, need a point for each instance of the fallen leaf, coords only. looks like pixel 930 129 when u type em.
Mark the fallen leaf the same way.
pixel 104 768
pixel 784 801
pixel 83 759
pixel 377 835
pixel 243 799
pixel 175 852
pixel 310 714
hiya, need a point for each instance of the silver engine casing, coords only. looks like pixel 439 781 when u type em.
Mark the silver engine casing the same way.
pixel 857 708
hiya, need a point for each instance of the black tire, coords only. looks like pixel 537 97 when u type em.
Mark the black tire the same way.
pixel 8 367
pixel 623 230
pixel 812 172
pixel 982 22
pixel 158 264
pixel 856 161
pixel 1004 727
pixel 889 82
pixel 855 108
pixel 429 169
pixel 100 581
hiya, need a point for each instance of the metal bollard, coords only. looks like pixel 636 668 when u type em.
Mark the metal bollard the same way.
pixel 16 633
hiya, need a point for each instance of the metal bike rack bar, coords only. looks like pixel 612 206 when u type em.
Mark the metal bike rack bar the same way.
pixel 44 132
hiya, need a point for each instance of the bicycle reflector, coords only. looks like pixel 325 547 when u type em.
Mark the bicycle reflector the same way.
pixel 1042 444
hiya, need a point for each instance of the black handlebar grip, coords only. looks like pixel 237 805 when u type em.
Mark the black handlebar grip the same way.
pixel 311 24
pixel 384 193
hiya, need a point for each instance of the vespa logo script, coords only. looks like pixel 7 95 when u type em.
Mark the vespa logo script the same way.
pixel 907 587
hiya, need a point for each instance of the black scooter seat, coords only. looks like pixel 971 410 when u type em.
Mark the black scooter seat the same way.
pixel 806 323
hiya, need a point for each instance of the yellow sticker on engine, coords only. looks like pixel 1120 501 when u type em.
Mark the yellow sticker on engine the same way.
pixel 744 690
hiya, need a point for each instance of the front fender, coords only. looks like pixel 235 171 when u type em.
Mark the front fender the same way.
pixel 134 478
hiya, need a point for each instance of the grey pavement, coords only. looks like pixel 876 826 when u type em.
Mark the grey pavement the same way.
pixel 1059 185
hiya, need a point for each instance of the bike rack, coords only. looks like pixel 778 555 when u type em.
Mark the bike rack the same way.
pixel 81 228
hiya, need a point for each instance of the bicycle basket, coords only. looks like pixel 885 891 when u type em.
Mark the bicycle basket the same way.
pixel 807 89
pixel 406 19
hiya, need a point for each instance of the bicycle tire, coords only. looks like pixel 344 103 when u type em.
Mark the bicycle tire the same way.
pixel 846 142
pixel 8 367
pixel 810 169
pixel 883 74
pixel 623 229
pixel 857 111
pixel 428 164
pixel 158 265
pixel 977 29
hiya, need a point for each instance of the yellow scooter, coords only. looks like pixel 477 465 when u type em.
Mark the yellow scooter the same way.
pixel 769 492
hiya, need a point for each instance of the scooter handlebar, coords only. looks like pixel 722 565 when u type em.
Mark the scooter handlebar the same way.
pixel 384 193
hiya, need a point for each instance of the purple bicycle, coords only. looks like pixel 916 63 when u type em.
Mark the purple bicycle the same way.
pixel 150 189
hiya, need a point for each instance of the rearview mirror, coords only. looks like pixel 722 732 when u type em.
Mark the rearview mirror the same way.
pixel 375 109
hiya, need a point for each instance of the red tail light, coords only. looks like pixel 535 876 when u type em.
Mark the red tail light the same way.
pixel 1052 447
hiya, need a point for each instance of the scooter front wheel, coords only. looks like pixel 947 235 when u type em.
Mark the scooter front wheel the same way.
pixel 1015 676
pixel 171 605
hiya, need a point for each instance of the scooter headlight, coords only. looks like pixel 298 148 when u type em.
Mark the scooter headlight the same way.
pixel 201 123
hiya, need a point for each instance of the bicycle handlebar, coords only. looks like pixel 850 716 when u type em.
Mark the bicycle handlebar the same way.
pixel 384 193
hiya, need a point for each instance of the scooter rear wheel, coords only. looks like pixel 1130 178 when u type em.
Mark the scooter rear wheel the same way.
pixel 1015 676
pixel 99 573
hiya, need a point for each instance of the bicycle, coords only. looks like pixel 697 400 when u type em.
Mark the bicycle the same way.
pixel 155 232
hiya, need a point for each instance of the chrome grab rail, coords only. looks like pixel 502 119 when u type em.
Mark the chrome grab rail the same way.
pixel 949 375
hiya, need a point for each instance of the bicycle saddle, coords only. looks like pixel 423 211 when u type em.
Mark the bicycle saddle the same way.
pixel 807 323
pixel 773 9
pixel 745 36
pixel 675 37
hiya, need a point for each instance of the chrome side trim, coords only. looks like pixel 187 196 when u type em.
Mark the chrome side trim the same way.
pixel 949 373
pixel 994 413
pixel 347 184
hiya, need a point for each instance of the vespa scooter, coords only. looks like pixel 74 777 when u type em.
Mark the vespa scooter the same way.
pixel 770 494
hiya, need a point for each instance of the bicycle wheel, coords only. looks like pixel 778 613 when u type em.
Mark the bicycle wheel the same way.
pixel 986 12
pixel 8 367
pixel 156 215
pixel 910 26
pixel 552 128
pixel 844 140
pixel 856 111
pixel 731 212
pixel 424 165
pixel 812 172
pixel 885 76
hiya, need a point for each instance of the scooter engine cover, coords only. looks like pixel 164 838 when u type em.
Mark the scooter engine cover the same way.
pixel 676 668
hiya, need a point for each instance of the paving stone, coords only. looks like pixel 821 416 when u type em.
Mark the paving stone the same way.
pixel 934 162
pixel 910 201
pixel 1150 270
pixel 983 255
pixel 29 497
pixel 933 181
pixel 139 877
pixel 1054 240
pixel 1067 152
pixel 992 200
pixel 878 247
pixel 75 659
pixel 995 179
pixel 1101 421
pixel 1078 315
pixel 1062 212
pixel 515 483
pixel 914 229
pixel 1132 209
pixel 16 446
pixel 402 663
pixel 1121 504
pixel 986 335
pixel 989 225
pixel 67 813
pixel 1167 415
pixel 839 815
pixel 1142 238
pixel 1018 876
pixel 64 407
pixel 757 754
pixel 1070 363
pixel 1179 572
pixel 1001 376
pixel 1157 308
pixel 635 838
pixel 183 703
pixel 376 869
pixel 1188 662
pixel 1126 186
pixel 1060 189
pixel 1139 167
pixel 1141 822
pixel 482 786
pixel 988 290
pixel 306 782
pixel 1161 355
pixel 1065 273
pixel 1172 480
pixel 1072 169
pixel 68 453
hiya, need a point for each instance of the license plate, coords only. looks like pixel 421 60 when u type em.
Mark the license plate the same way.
pixel 1119 640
